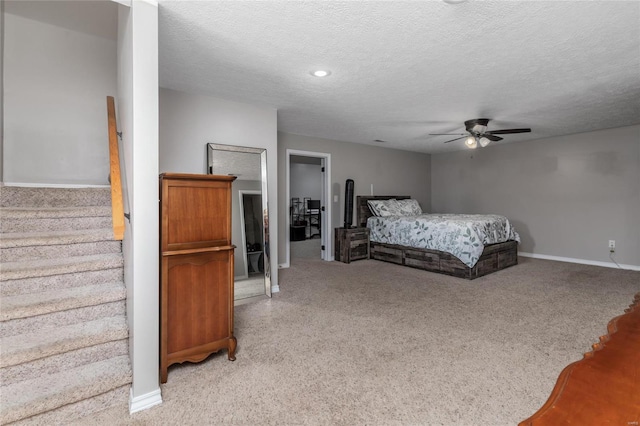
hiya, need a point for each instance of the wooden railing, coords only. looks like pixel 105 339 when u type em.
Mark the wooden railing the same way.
pixel 117 207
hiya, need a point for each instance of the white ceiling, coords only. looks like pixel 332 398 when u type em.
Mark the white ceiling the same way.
pixel 400 69
pixel 403 69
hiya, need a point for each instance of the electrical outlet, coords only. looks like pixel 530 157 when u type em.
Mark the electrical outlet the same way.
pixel 612 245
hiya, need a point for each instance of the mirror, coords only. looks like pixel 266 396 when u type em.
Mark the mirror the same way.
pixel 249 215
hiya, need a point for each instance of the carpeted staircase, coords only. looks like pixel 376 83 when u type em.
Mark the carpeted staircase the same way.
pixel 63 330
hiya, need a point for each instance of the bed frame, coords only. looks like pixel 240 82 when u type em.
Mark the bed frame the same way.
pixel 494 257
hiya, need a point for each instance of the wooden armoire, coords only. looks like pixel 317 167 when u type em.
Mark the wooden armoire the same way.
pixel 196 268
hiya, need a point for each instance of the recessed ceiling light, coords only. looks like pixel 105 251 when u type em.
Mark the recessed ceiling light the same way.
pixel 321 73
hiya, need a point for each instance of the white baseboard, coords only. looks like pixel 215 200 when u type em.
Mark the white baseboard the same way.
pixel 54 185
pixel 275 289
pixel 580 261
pixel 145 401
pixel 287 265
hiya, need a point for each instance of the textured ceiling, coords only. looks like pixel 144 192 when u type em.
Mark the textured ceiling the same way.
pixel 401 70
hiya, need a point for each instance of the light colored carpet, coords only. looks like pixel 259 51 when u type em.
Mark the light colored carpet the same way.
pixel 306 249
pixel 254 285
pixel 379 344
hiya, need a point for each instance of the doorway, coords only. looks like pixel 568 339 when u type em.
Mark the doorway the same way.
pixel 308 191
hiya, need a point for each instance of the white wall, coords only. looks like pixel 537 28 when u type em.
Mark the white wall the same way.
pixel 188 122
pixel 567 196
pixel 138 121
pixel 58 77
pixel 391 171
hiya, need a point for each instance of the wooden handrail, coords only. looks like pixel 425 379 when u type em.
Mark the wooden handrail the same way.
pixel 117 208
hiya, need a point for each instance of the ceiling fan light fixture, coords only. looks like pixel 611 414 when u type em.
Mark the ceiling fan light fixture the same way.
pixel 484 141
pixel 479 128
pixel 477 133
pixel 471 142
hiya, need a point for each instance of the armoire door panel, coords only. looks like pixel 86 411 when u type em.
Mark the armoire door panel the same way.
pixel 196 216
pixel 196 301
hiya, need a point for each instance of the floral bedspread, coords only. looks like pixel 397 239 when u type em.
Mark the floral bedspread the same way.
pixel 462 235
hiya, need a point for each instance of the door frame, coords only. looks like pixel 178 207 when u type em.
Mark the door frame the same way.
pixel 325 233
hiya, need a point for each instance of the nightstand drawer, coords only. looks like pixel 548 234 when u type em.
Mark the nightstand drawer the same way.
pixel 351 244
pixel 359 250
pixel 359 235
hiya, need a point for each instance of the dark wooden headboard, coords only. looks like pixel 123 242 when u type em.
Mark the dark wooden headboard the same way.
pixel 362 208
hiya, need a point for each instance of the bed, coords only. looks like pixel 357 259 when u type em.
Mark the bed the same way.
pixel 476 256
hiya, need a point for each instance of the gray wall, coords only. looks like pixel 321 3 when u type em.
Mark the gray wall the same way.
pixel 567 196
pixel 1 89
pixel 188 122
pixel 306 181
pixel 390 171
pixel 60 63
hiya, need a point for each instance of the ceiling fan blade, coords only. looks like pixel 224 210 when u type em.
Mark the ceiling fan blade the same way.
pixel 492 137
pixel 447 134
pixel 455 139
pixel 507 131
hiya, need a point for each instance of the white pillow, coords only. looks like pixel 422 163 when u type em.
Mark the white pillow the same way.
pixel 382 207
pixel 409 207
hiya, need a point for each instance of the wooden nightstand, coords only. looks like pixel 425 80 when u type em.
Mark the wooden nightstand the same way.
pixel 351 244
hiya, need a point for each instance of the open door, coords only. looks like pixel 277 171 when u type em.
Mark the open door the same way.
pixel 323 160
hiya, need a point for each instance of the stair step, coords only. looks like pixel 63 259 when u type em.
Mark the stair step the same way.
pixel 32 397
pixel 50 245
pixel 46 342
pixel 32 219
pixel 16 196
pixel 46 283
pixel 61 362
pixel 50 267
pixel 81 412
pixel 45 302
pixel 54 212
pixel 51 224
pixel 62 318
pixel 26 239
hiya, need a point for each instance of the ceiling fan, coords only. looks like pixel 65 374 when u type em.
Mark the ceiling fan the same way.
pixel 477 133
